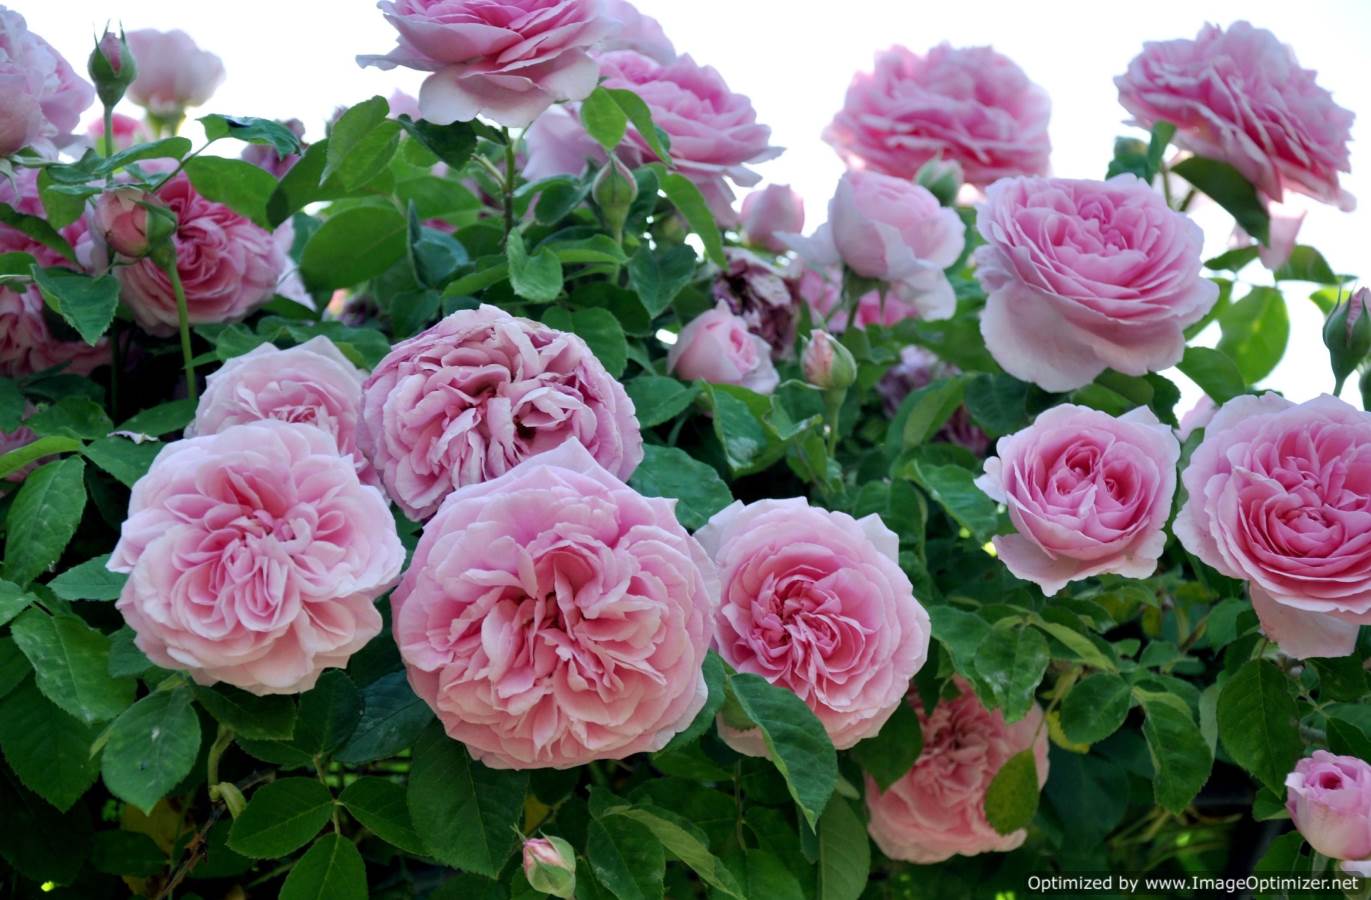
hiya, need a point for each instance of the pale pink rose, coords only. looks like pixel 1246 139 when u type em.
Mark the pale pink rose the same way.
pixel 773 210
pixel 229 266
pixel 1196 418
pixel 937 810
pixel 41 96
pixel 1239 95
pixel 553 616
pixel 1083 276
pixel 1329 799
pixel 821 289
pixel 254 557
pixel 121 218
pixel 27 342
pixel 21 193
pixel 557 144
pixel 507 61
pixel 635 31
pixel 716 346
pixel 479 392
pixel 969 105
pixel 816 602
pixel 402 104
pixel 127 131
pixel 1279 495
pixel 313 384
pixel 755 290
pixel 1088 493
pixel 173 73
pixel 1285 230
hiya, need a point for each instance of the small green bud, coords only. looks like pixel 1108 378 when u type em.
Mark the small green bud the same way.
pixel 942 178
pixel 550 866
pixel 1347 334
pixel 827 364
pixel 614 191
pixel 112 68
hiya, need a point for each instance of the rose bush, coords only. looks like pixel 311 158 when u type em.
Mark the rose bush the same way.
pixel 472 499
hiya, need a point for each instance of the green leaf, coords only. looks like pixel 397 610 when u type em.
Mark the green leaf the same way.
pixel 686 197
pixel 40 842
pixel 393 717
pixel 86 303
pixel 380 806
pixel 453 144
pixel 795 741
pixel 329 713
pixel 151 747
pixel 1214 372
pixel 37 229
pixel 353 246
pixel 997 403
pixel 1095 708
pixel 465 813
pixel 768 876
pixel 270 717
pixel 1227 187
pixel 60 207
pixel 928 408
pixel 657 399
pixel 1255 332
pixel 749 446
pixel 71 660
pixel 12 403
pixel 602 331
pixel 122 458
pixel 353 148
pixel 127 853
pixel 1259 722
pixel 715 675
pixel 301 186
pixel 1011 662
pixel 954 489
pixel 239 185
pixel 1349 729
pixel 671 472
pixel 1234 260
pixel 658 275
pixel 626 857
pixel 1011 800
pixel 91 580
pixel 1180 757
pixel 77 417
pixel 13 601
pixel 20 457
pixel 537 277
pixel 281 817
pixel 890 754
pixel 1306 264
pixel 1081 647
pixel 125 659
pixel 641 116
pixel 252 130
pixel 48 749
pixel 603 119
pixel 682 842
pixel 14 668
pixel 844 853
pixel 332 869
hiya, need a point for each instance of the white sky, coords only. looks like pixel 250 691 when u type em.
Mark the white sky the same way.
pixel 794 58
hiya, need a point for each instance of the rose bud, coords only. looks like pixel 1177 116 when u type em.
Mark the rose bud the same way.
pixel 1347 334
pixel 942 178
pixel 827 364
pixel 614 192
pixel 132 223
pixel 550 866
pixel 111 67
pixel 1329 799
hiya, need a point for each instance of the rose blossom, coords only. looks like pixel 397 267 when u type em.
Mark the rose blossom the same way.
pixel 27 341
pixel 1088 493
pixel 254 556
pixel 917 368
pixel 228 265
pixel 121 217
pixel 553 616
pixel 969 105
pixel 508 61
pixel 716 346
pixel 753 289
pixel 41 96
pixel 1279 495
pixel 313 383
pixel 481 391
pixel 265 156
pixel 173 73
pixel 127 131
pixel 773 210
pixel 1196 418
pixel 1083 276
pixel 635 31
pixel 1239 95
pixel 815 601
pixel 1329 799
pixel 821 289
pixel 937 809
pixel 550 866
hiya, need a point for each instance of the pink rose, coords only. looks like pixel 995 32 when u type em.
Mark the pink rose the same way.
pixel 1084 276
pixel 1279 495
pixel 313 383
pixel 507 61
pixel 254 556
pixel 41 96
pixel 554 616
pixel 557 144
pixel 127 131
pixel 635 31
pixel 173 73
pixel 21 193
pixel 1198 417
pixel 755 290
pixel 716 346
pixel 821 289
pixel 476 394
pixel 228 265
pixel 773 210
pixel 1329 799
pixel 815 601
pixel 1087 493
pixel 27 343
pixel 969 105
pixel 938 808
pixel 1240 96
pixel 265 156
pixel 121 218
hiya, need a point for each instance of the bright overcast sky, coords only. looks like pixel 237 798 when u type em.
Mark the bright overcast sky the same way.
pixel 294 58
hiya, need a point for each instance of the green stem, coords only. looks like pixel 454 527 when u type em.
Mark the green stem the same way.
pixel 1165 174
pixel 109 138
pixel 511 173
pixel 183 322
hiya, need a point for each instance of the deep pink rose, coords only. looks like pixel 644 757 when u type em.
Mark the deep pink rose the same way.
pixel 1279 495
pixel 1087 493
pixel 254 556
pixel 634 31
pixel 173 73
pixel 1084 276
pixel 313 383
pixel 41 96
pixel 1329 799
pixel 815 601
pixel 229 266
pixel 773 210
pixel 1240 96
pixel 27 343
pixel 476 394
pixel 716 346
pixel 554 616
pixel 937 810
pixel 970 105
pixel 508 61
pixel 21 193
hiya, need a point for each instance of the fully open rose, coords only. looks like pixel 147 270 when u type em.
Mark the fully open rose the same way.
pixel 41 96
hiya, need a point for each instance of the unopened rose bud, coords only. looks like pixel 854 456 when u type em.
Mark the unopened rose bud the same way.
pixel 132 222
pixel 942 178
pixel 614 191
pixel 112 67
pixel 1347 334
pixel 827 364
pixel 550 866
